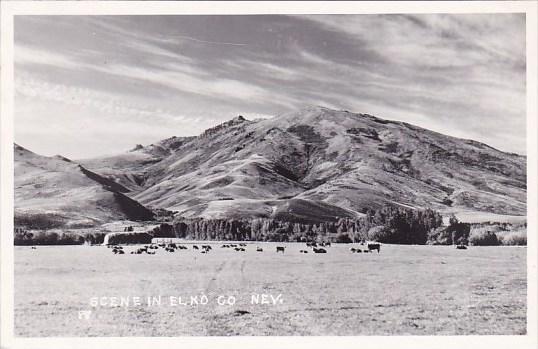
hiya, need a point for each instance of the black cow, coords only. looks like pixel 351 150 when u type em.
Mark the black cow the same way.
pixel 280 249
pixel 372 247
pixel 320 250
pixel 259 249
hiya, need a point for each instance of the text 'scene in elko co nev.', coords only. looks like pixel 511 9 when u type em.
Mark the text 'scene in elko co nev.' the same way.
pixel 192 300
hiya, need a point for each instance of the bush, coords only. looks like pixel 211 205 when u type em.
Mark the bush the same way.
pixel 95 238
pixel 515 238
pixel 127 238
pixel 23 237
pixel 377 233
pixel 481 238
pixel 164 231
pixel 343 239
pixel 455 233
pixel 439 236
pixel 39 221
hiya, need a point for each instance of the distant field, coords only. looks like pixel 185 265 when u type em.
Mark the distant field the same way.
pixel 481 217
pixel 420 290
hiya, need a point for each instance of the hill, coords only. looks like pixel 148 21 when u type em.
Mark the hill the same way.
pixel 57 192
pixel 318 162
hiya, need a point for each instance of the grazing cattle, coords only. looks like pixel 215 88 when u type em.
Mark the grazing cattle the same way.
pixel 121 252
pixel 461 247
pixel 206 247
pixel 320 250
pixel 150 252
pixel 366 251
pixel 359 250
pixel 303 251
pixel 328 244
pixel 195 247
pixel 353 250
pixel 372 247
pixel 259 249
pixel 34 248
pixel 280 249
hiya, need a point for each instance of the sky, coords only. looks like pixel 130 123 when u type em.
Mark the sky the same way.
pixel 88 86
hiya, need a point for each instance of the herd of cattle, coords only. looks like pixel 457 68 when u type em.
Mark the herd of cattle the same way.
pixel 240 247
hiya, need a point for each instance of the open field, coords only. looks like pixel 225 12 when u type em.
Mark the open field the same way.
pixel 421 290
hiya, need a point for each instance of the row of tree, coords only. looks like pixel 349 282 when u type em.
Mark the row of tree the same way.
pixel 388 225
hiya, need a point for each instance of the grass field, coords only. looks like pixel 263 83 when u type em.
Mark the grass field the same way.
pixel 419 290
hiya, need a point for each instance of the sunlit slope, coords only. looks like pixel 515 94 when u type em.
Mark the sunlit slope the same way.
pixel 70 193
pixel 338 160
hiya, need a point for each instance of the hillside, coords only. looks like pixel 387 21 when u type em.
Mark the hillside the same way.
pixel 59 192
pixel 318 162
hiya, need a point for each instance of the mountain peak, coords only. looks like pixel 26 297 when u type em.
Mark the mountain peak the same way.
pixel 230 123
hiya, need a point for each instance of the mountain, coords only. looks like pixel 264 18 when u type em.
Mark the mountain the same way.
pixel 317 164
pixel 59 192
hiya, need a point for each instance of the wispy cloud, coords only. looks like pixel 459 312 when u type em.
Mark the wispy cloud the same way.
pixel 174 75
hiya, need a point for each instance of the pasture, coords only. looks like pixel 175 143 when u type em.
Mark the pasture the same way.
pixel 415 290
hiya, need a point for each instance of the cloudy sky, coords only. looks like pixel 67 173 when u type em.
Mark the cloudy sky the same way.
pixel 93 85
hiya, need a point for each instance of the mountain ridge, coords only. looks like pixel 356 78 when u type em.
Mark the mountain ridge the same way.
pixel 72 195
pixel 317 160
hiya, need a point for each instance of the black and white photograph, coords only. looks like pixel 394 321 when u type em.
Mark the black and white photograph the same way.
pixel 271 174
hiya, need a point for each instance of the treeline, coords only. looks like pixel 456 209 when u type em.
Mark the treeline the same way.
pixel 387 225
pixel 23 237
pixel 392 225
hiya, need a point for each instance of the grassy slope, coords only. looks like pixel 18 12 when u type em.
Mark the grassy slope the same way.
pixel 348 160
pixel 64 188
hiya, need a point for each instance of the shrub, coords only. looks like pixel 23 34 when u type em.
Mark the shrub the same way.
pixel 377 233
pixel 127 238
pixel 481 238
pixel 343 239
pixel 164 231
pixel 95 238
pixel 23 237
pixel 439 236
pixel 39 221
pixel 515 238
